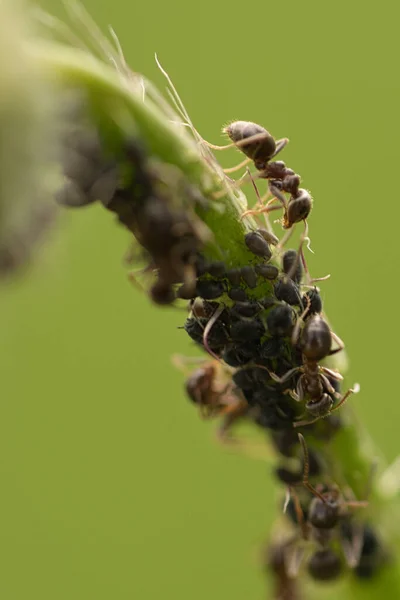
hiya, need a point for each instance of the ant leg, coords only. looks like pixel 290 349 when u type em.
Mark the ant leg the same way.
pixel 314 279
pixel 299 512
pixel 259 211
pixel 335 408
pixel 234 185
pixel 244 163
pixel 189 278
pixel 244 446
pixel 326 383
pixel 306 471
pixel 276 192
pixel 182 362
pixel 295 558
pixel 339 342
pixel 231 414
pixel 208 328
pixel 344 399
pixel 333 374
pixel 279 145
pixel 285 239
pixel 260 202
pixel 352 549
pixel 300 257
pixel 134 281
pixel 296 330
pixel 286 376
pixel 293 395
pixel 257 137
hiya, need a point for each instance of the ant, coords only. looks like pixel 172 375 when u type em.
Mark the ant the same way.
pixel 326 513
pixel 295 210
pixel 315 341
pixel 254 141
pixel 212 390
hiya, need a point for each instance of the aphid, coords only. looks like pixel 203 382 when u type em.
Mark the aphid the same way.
pixel 249 276
pixel 234 276
pixel 237 294
pixel 216 269
pixel 247 330
pixel 267 271
pixel 313 302
pixel 257 244
pixel 272 419
pixel 295 210
pixel 371 557
pixel 216 337
pixel 245 309
pixel 172 236
pixel 268 236
pixel 286 442
pixel 234 357
pixel 209 289
pixel 201 265
pixel 291 265
pixel 280 320
pixel 288 291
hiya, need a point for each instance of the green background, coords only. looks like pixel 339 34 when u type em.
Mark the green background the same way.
pixel 112 487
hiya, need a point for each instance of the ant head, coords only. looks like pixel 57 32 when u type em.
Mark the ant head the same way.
pixel 324 515
pixel 316 338
pixel 199 383
pixel 298 209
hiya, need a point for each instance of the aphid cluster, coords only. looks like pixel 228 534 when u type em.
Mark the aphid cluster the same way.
pixel 147 199
pixel 274 344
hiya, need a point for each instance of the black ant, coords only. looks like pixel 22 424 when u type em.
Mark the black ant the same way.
pixel 254 141
pixel 295 210
pixel 327 511
pixel 315 342
pixel 212 390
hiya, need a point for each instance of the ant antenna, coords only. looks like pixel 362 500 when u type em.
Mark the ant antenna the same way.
pixel 208 328
pixel 306 471
pixel 299 512
pixel 260 201
pixel 244 163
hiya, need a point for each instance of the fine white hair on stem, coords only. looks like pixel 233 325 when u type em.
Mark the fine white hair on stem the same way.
pixel 58 27
pixel 177 101
pixel 81 17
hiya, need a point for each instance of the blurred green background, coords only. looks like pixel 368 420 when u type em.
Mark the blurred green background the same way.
pixel 112 487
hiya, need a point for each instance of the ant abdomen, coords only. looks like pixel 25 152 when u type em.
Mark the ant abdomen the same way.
pixel 325 565
pixel 320 407
pixel 259 150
